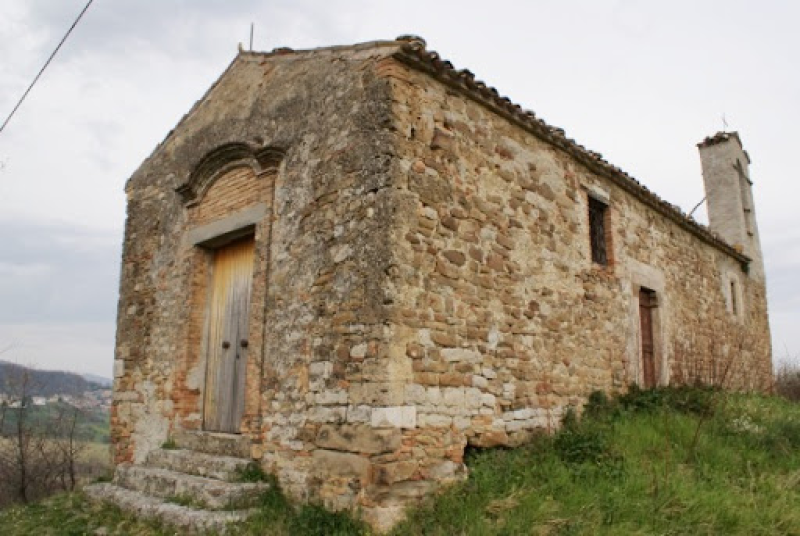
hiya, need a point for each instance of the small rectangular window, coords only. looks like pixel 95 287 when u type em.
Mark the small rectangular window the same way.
pixel 734 303
pixel 597 231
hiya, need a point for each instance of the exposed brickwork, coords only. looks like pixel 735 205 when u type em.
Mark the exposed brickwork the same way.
pixel 234 190
pixel 423 278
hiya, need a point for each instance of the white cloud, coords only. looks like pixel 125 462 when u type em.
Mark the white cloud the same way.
pixel 18 271
pixel 77 347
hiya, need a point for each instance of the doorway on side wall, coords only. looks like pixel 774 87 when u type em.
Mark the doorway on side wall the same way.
pixel 227 335
pixel 647 303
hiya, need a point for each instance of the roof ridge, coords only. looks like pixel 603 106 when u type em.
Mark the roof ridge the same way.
pixel 283 51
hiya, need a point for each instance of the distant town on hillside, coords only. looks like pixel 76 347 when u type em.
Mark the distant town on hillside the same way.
pixel 20 385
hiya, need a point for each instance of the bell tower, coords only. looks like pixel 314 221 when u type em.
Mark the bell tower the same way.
pixel 729 195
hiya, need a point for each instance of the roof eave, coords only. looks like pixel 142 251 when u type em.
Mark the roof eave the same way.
pixel 417 57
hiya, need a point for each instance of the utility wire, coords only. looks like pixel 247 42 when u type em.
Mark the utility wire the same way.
pixel 45 66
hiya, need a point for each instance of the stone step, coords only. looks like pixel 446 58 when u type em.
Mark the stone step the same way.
pixel 188 520
pixel 234 445
pixel 197 463
pixel 200 491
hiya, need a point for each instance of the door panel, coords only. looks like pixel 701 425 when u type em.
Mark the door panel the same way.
pixel 646 325
pixel 227 338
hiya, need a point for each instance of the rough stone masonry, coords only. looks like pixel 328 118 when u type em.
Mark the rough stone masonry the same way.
pixel 426 266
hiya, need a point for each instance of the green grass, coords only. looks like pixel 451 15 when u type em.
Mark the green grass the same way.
pixel 70 514
pixel 673 461
pixel 92 424
pixel 277 517
pixel 635 467
pixel 169 444
pixel 252 472
pixel 73 515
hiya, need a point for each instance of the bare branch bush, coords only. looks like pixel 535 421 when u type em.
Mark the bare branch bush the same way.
pixel 38 450
pixel 69 450
pixel 709 362
pixel 787 380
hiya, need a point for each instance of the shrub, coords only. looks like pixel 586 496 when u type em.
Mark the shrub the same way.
pixel 781 438
pixel 582 444
pixel 690 400
pixel 586 443
pixel 787 381
pixel 600 406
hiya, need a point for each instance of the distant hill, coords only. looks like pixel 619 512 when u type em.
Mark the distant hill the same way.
pixel 99 380
pixel 43 382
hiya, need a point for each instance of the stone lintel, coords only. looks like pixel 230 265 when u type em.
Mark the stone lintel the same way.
pixel 235 226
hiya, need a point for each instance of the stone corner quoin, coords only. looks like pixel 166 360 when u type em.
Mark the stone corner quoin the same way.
pixel 361 260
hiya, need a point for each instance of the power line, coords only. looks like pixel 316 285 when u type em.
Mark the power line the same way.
pixel 80 15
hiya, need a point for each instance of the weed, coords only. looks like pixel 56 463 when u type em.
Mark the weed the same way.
pixel 169 444
pixel 273 499
pixel 252 472
pixel 106 477
pixel 581 444
pixel 314 520
pixel 570 418
pixel 185 500
pixel 691 400
pixel 599 406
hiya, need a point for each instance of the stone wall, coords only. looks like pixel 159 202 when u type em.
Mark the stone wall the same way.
pixel 499 309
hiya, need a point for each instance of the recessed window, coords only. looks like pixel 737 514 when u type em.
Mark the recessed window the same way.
pixel 598 216
pixel 733 294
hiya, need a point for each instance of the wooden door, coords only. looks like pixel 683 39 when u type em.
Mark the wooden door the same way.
pixel 646 304
pixel 227 336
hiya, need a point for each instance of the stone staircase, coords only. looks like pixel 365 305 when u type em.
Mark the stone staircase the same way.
pixel 192 487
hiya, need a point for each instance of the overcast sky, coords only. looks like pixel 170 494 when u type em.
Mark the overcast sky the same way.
pixel 641 82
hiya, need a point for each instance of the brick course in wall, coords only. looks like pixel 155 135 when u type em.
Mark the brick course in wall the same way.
pixel 423 276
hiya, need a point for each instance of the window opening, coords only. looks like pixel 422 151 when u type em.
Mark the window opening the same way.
pixel 597 231
pixel 734 302
pixel 744 192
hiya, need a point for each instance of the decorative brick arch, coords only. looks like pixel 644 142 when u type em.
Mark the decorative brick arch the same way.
pixel 222 159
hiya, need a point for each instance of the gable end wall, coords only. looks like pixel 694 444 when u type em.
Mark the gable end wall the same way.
pixel 318 317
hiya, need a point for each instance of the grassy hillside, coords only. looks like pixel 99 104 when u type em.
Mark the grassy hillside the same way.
pixel 664 462
pixel 671 461
pixel 93 424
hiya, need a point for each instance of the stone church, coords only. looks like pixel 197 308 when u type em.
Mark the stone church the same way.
pixel 348 264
